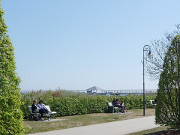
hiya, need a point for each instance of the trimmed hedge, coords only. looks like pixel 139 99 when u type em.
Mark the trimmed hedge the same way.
pixel 72 106
pixel 84 104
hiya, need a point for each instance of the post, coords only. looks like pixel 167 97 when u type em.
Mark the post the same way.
pixel 145 48
pixel 143 86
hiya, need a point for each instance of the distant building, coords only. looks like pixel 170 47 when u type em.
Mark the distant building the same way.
pixel 94 90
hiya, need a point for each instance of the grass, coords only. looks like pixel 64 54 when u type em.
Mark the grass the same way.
pixel 83 120
pixel 150 131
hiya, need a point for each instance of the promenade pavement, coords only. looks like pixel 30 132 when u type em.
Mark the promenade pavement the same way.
pixel 110 128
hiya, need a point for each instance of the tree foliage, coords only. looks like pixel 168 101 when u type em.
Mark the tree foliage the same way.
pixel 159 49
pixel 168 96
pixel 10 113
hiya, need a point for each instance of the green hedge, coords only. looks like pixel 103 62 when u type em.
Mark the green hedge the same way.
pixel 84 104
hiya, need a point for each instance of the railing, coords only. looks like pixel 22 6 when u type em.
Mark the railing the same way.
pixel 118 91
pixel 111 92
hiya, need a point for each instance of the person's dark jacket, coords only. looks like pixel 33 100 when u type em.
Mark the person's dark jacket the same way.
pixel 34 107
pixel 114 102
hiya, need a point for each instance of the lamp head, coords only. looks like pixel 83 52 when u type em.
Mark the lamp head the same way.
pixel 150 53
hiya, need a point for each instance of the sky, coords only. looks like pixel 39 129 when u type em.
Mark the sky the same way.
pixel 77 44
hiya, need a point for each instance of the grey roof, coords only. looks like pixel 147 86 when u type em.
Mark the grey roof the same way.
pixel 94 88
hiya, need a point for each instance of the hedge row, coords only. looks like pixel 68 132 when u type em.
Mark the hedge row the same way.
pixel 66 106
pixel 84 105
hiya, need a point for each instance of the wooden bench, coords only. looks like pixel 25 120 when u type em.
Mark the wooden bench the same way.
pixel 38 114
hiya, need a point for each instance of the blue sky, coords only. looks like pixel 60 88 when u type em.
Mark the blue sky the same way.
pixel 76 44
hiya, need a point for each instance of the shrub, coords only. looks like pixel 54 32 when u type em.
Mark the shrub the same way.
pixel 10 113
pixel 76 103
pixel 82 105
pixel 168 96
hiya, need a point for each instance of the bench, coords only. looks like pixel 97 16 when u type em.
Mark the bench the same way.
pixel 38 114
pixel 112 109
pixel 152 102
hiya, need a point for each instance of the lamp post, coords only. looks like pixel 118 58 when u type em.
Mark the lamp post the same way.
pixel 146 48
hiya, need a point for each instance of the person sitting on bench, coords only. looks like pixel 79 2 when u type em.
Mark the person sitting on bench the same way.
pixel 114 102
pixel 35 109
pixel 119 104
pixel 43 109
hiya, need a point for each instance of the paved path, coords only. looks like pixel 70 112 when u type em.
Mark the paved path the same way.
pixel 111 128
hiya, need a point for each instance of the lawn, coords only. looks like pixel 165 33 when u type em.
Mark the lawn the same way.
pixel 83 120
pixel 162 128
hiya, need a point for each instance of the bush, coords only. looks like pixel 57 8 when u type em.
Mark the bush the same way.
pixel 69 103
pixel 168 97
pixel 83 105
pixel 10 102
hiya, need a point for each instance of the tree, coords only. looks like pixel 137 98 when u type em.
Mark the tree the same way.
pixel 159 49
pixel 168 96
pixel 10 113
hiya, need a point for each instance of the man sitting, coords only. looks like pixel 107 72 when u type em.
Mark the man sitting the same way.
pixel 114 102
pixel 35 109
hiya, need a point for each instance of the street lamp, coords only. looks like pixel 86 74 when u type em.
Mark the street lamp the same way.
pixel 146 48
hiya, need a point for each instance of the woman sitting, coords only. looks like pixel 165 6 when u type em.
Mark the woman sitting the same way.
pixel 119 104
pixel 43 109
